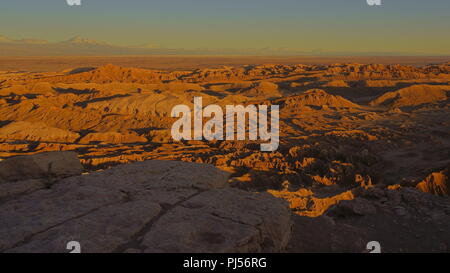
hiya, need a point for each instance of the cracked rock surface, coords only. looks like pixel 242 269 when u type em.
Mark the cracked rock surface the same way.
pixel 150 206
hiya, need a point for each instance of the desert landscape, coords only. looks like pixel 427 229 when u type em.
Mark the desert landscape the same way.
pixel 87 155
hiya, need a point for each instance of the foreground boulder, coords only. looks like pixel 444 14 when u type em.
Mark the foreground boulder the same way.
pixel 151 206
pixel 45 165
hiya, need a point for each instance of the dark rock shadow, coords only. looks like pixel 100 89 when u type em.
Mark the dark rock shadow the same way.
pixel 81 70
pixel 5 122
pixel 75 91
pixel 215 94
pixel 83 104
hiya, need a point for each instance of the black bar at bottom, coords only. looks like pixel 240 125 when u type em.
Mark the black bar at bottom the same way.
pixel 217 262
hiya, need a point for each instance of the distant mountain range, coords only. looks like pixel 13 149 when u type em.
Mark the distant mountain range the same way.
pixel 73 46
pixel 78 46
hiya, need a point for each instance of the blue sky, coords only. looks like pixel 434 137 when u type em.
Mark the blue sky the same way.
pixel 408 26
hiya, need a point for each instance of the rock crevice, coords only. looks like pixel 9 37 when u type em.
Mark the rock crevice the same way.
pixel 150 206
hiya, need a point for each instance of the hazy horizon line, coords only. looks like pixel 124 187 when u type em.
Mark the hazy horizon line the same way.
pixel 86 46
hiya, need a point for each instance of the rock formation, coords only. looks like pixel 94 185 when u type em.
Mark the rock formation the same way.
pixel 363 147
pixel 151 206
